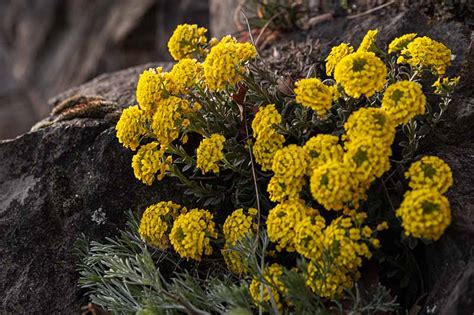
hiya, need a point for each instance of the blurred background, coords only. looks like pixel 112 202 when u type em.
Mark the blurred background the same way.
pixel 48 46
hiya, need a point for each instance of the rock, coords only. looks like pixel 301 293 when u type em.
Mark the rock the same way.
pixel 52 181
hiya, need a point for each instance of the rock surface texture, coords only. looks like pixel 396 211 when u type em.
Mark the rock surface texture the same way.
pixel 53 179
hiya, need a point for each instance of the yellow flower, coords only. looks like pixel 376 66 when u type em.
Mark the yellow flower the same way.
pixel 282 221
pixel 427 53
pixel 344 244
pixel 290 161
pixel 336 94
pixel 382 226
pixel 361 73
pixel 184 75
pixel 328 282
pixel 168 119
pixel 223 64
pixel 191 234
pixel 148 161
pixel 368 42
pixel 367 159
pixel 403 101
pixel 401 42
pixel 445 85
pixel 314 94
pixel 131 127
pixel 334 186
pixel 209 153
pixel 425 213
pixel 264 149
pixel 281 188
pixel 430 172
pixel 150 89
pixel 236 227
pixel 323 148
pixel 186 40
pixel 155 224
pixel 265 120
pixel 309 236
pixel 336 54
pixel 373 123
pixel 273 287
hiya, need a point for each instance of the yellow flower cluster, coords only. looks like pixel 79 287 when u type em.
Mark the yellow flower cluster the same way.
pixel 401 42
pixel 150 89
pixel 268 141
pixel 150 160
pixel 368 42
pixel 191 234
pixel 309 236
pixel 425 213
pixel 403 101
pixel 131 127
pixel 343 245
pixel 223 64
pixel 374 123
pixel 186 40
pixel 237 226
pixel 289 165
pixel 336 54
pixel 334 186
pixel 321 149
pixel 367 159
pixel 209 153
pixel 263 125
pixel 427 53
pixel 445 85
pixel 183 76
pixel 314 94
pixel 273 287
pixel 168 119
pixel 430 172
pixel 361 73
pixel 282 221
pixel 155 224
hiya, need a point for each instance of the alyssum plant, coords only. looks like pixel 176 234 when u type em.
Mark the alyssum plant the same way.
pixel 312 174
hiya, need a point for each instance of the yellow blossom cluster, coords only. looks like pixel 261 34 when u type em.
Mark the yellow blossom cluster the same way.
pixel 334 186
pixel 150 160
pixel 321 149
pixel 156 222
pixel 282 221
pixel 150 89
pixel 343 244
pixel 314 94
pixel 268 140
pixel 336 54
pixel 403 101
pixel 401 42
pixel 192 233
pixel 131 127
pixel 430 172
pixel 425 213
pixel 209 153
pixel 427 53
pixel 168 119
pixel 309 236
pixel 368 42
pixel 273 287
pixel 374 123
pixel 289 166
pixel 445 85
pixel 184 75
pixel 361 73
pixel 237 226
pixel 186 40
pixel 223 64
